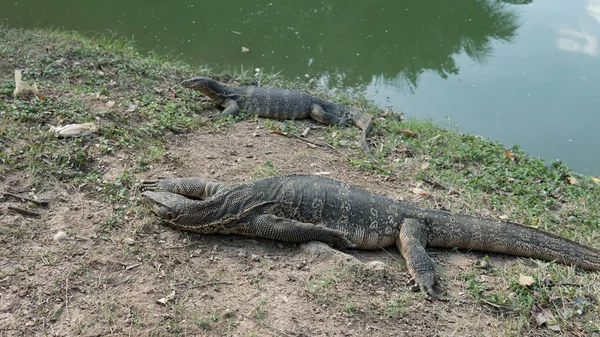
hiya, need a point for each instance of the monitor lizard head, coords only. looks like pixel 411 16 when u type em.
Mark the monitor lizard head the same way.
pixel 211 88
pixel 188 214
pixel 169 206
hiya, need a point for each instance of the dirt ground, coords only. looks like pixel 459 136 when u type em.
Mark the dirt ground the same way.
pixel 143 278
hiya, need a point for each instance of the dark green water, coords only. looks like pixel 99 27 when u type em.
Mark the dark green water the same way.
pixel 524 72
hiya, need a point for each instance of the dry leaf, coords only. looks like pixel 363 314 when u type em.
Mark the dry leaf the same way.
pixel 544 316
pixel 509 155
pixel 525 280
pixel 408 133
pixel 425 166
pixel 453 192
pixel 538 314
pixel 420 191
pixel 245 50
pixel 131 108
pixel 277 130
pixel 22 87
pixel 167 299
pixel 554 327
pixel 73 130
pixel 596 179
pixel 572 181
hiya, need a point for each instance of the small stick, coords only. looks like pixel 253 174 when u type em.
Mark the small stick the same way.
pixel 185 246
pixel 130 277
pixel 305 132
pixel 311 142
pixel 37 202
pixel 24 211
pixel 566 284
pixel 207 284
pixel 497 306
pixel 132 266
pixel 432 181
pixel 67 292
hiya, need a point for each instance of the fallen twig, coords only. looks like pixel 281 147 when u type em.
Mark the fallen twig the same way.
pixel 24 211
pixel 127 279
pixel 206 284
pixel 566 284
pixel 432 181
pixel 67 292
pixel 312 142
pixel 497 306
pixel 185 246
pixel 132 266
pixel 37 202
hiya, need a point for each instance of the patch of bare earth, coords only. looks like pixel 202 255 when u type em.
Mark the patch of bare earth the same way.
pixel 142 278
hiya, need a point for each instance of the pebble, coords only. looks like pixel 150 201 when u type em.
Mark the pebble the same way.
pixel 60 236
pixel 376 265
pixel 129 241
pixel 482 264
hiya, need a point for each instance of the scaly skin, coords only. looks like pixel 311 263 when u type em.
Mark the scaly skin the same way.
pixel 300 208
pixel 281 104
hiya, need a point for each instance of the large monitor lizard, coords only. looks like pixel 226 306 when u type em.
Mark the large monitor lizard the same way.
pixel 281 104
pixel 300 208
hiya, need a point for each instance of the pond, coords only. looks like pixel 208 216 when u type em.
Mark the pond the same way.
pixel 521 72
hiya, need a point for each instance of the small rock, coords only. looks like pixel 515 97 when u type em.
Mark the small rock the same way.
pixel 110 104
pixel 485 213
pixel 129 241
pixel 255 258
pixel 376 265
pixel 480 279
pixel 301 265
pixel 60 236
pixel 482 264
